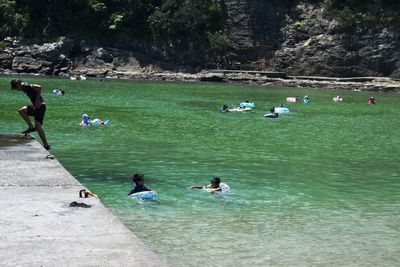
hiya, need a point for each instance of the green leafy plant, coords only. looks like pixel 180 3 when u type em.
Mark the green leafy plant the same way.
pixel 298 24
pixel 2 46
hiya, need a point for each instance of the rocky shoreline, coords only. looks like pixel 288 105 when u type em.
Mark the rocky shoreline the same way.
pixel 374 84
pixel 66 57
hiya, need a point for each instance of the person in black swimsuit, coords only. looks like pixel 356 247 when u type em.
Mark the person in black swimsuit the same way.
pixel 37 109
pixel 138 180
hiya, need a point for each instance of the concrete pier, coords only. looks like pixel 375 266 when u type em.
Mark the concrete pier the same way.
pixel 37 226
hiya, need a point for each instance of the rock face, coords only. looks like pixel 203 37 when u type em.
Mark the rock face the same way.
pixel 254 30
pixel 321 46
pixel 301 38
pixel 68 56
pixel 305 39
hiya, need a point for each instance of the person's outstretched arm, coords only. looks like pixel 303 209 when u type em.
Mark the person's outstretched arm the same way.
pixel 197 187
pixel 213 190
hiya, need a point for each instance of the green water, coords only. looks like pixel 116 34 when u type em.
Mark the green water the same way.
pixel 319 187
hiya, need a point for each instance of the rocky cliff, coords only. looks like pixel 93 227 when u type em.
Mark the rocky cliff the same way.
pixel 70 56
pixel 301 38
pixel 305 38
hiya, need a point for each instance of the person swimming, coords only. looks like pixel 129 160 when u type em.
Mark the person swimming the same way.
pixel 85 120
pixel 224 108
pixel 138 180
pixel 214 187
pixel 371 101
pixel 272 113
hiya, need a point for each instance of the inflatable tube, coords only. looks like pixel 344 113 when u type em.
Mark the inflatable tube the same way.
pixel 337 99
pixel 280 110
pixel 291 100
pixel 209 190
pixel 144 195
pixel 271 115
pixel 247 105
pixel 57 92
pixel 239 109
pixel 98 122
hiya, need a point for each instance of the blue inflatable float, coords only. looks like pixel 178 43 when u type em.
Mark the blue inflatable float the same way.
pixel 281 110
pixel 247 105
pixel 150 195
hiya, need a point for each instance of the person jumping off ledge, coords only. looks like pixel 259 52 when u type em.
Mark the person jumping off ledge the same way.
pixel 36 110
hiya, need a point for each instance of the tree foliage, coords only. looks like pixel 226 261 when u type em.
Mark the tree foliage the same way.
pixel 373 12
pixel 179 19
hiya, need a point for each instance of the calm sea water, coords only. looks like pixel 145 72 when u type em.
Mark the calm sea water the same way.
pixel 319 187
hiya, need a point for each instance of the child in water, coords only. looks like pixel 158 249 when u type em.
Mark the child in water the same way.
pixel 371 101
pixel 224 108
pixel 138 180
pixel 215 186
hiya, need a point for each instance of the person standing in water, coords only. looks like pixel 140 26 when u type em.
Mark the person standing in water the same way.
pixel 37 109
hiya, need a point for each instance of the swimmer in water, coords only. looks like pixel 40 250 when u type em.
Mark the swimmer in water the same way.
pixel 371 101
pixel 224 108
pixel 215 186
pixel 138 180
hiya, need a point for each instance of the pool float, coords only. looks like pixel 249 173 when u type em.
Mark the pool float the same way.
pixel 224 188
pixel 57 92
pixel 100 122
pixel 271 115
pixel 247 105
pixel 150 195
pixel 239 109
pixel 291 99
pixel 87 122
pixel 281 110
pixel 337 99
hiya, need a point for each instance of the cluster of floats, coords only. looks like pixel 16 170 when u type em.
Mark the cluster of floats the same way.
pixel 276 111
pixel 273 113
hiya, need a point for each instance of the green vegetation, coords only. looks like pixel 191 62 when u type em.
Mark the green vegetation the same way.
pixel 173 25
pixel 298 24
pixel 374 12
pixel 2 46
pixel 165 20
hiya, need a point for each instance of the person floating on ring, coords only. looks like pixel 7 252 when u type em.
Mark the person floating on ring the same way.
pixel 215 186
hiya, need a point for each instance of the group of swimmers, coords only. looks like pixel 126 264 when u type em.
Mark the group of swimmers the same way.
pixel 215 185
pixel 339 99
pixel 297 99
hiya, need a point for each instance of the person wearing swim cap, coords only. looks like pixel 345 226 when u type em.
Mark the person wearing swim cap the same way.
pixel 371 101
pixel 215 186
pixel 37 109
pixel 138 180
